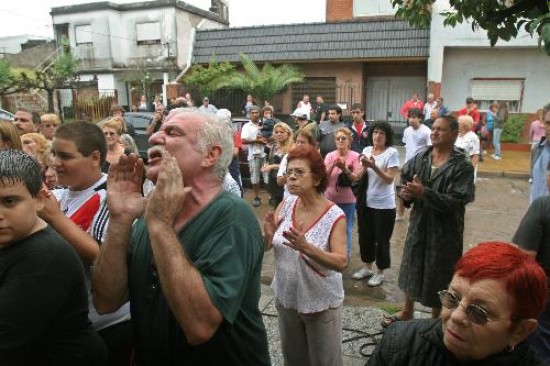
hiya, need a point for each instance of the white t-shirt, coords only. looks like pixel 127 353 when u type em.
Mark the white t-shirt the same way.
pixel 380 194
pixel 415 140
pixel 250 131
pixel 307 107
pixel 469 143
pixel 281 172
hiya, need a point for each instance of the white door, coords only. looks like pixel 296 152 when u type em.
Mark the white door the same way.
pixel 386 95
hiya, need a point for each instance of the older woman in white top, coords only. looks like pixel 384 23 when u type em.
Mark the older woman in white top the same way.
pixel 308 235
pixel 468 141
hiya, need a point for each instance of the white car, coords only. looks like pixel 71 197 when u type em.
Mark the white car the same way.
pixel 5 115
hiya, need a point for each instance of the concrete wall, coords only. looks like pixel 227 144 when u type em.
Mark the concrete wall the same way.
pixel 462 64
pixel 461 36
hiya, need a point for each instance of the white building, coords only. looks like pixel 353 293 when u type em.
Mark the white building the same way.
pixel 462 62
pixel 118 43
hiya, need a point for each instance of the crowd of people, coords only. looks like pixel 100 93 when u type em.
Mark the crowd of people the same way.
pixel 107 260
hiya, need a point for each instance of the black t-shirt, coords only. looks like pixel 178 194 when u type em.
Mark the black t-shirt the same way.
pixel 533 232
pixel 44 305
pixel 321 107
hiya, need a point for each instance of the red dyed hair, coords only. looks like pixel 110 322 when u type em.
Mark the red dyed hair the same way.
pixel 316 163
pixel 523 277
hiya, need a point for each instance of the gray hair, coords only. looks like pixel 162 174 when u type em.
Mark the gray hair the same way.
pixel 17 166
pixel 129 142
pixel 212 132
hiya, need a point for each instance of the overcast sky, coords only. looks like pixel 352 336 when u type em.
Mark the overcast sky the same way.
pixel 32 16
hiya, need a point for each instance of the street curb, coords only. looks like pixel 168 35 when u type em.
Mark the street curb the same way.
pixel 500 174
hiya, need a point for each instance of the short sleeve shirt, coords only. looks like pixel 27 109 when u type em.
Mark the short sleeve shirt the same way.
pixel 415 140
pixel 533 232
pixel 381 195
pixel 225 244
pixel 341 194
pixel 469 143
pixel 249 132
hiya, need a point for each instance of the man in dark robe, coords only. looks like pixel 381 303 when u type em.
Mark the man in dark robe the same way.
pixel 438 182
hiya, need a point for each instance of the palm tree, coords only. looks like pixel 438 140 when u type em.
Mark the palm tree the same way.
pixel 262 84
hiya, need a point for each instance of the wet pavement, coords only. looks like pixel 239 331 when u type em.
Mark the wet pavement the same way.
pixel 500 204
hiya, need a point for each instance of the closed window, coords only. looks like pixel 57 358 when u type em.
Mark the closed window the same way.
pixel 363 8
pixel 83 34
pixel 148 33
pixel 485 91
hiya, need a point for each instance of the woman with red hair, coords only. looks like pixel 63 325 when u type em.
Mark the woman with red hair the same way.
pixel 489 309
pixel 308 235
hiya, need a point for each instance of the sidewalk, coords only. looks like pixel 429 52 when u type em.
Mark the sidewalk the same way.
pixel 514 164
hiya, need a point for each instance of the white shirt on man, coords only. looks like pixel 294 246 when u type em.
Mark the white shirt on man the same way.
pixel 415 140
pixel 250 131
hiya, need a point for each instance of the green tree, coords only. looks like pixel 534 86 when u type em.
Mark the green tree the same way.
pixel 501 19
pixel 62 73
pixel 263 84
pixel 10 79
pixel 207 79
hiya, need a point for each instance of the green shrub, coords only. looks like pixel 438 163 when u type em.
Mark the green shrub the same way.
pixel 514 127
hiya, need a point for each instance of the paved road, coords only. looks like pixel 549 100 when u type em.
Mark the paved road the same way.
pixel 494 216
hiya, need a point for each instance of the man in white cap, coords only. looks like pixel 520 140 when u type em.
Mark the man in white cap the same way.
pixel 303 122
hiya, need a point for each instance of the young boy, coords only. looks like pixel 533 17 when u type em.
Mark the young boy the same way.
pixel 415 137
pixel 80 150
pixel 43 297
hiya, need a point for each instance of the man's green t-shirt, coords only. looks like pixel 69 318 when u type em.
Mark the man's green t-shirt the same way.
pixel 225 243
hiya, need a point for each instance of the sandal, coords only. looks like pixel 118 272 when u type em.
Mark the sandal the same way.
pixel 389 320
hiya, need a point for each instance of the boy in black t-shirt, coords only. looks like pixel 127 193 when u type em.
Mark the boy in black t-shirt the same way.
pixel 43 297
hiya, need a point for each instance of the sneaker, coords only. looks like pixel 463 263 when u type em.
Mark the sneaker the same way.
pixel 493 156
pixel 497 157
pixel 363 273
pixel 376 280
pixel 399 217
pixel 256 202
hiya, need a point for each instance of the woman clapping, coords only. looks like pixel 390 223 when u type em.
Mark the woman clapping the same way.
pixel 308 234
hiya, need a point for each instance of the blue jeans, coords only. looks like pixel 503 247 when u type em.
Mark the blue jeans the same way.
pixel 349 211
pixel 496 140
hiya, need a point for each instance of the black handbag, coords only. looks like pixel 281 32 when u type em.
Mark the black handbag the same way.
pixel 343 181
pixel 359 189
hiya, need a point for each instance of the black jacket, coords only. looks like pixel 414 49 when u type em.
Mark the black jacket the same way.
pixel 360 141
pixel 420 342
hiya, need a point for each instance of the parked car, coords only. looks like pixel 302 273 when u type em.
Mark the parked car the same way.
pixel 137 123
pixel 5 115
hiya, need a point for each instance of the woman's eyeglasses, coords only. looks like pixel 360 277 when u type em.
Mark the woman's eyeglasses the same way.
pixel 109 133
pixel 298 173
pixel 341 138
pixel 476 314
